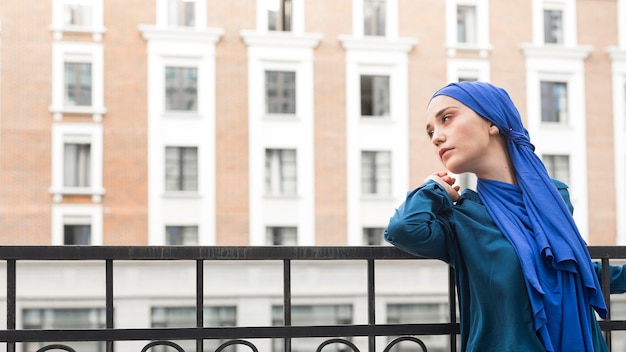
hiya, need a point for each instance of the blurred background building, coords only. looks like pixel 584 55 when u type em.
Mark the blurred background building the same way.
pixel 278 122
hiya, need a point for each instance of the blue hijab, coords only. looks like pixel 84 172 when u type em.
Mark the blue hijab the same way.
pixel 560 278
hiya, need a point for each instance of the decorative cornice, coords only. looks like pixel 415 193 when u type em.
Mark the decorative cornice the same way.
pixel 280 39
pixel 208 35
pixel 377 43
pixel 579 52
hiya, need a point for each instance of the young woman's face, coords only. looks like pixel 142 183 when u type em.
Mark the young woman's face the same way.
pixel 461 137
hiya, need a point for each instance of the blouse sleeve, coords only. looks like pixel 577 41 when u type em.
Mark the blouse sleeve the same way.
pixel 421 225
pixel 617 275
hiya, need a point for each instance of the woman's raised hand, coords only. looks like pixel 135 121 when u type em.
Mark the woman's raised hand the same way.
pixel 447 182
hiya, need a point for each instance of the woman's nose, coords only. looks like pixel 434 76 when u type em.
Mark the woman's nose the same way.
pixel 437 138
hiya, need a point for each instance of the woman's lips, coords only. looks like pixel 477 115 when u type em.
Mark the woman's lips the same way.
pixel 443 151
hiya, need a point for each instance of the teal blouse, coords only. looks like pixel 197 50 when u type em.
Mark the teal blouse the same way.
pixel 495 311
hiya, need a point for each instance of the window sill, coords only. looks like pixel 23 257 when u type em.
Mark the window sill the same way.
pixel 59 111
pixel 281 117
pixel 377 197
pixel 281 197
pixel 181 195
pixel 95 193
pixel 181 115
pixel 482 49
pixel 556 52
pixel 96 32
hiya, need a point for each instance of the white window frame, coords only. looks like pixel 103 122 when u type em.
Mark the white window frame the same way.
pixel 59 28
pixel 568 8
pixel 160 82
pixel 77 52
pixel 62 213
pixel 482 45
pixel 548 137
pixel 83 133
pixel 200 16
pixel 391 21
pixel 297 18
pixel 480 69
pixel 618 67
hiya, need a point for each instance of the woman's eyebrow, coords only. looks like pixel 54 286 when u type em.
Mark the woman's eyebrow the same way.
pixel 438 115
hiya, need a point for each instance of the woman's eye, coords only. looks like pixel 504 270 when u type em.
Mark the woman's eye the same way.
pixel 445 118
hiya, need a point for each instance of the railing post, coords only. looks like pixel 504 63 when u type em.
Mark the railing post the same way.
pixel 287 299
pixel 371 303
pixel 452 304
pixel 11 287
pixel 199 301
pixel 110 323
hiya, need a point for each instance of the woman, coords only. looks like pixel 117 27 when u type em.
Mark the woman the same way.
pixel 524 277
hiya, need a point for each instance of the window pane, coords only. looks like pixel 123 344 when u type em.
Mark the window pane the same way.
pixel 185 317
pixel 375 172
pixel 374 16
pixel 76 165
pixel 553 26
pixel 181 169
pixel 373 236
pixel 280 172
pixel 181 93
pixel 340 314
pixel 420 313
pixel 181 13
pixel 554 102
pixel 466 24
pixel 77 235
pixel 77 13
pixel 558 167
pixel 282 236
pixel 65 318
pixel 280 92
pixel 374 95
pixel 181 235
pixel 279 15
pixel 77 83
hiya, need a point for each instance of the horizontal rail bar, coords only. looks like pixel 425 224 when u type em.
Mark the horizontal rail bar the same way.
pixel 227 332
pixel 232 253
pixel 201 252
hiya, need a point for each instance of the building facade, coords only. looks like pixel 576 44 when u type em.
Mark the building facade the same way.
pixel 285 122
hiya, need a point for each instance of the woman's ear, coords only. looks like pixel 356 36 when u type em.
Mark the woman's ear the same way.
pixel 493 130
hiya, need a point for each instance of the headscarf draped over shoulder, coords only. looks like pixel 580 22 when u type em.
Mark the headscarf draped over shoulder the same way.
pixel 556 264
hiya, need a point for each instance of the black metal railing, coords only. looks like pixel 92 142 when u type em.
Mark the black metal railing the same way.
pixel 335 334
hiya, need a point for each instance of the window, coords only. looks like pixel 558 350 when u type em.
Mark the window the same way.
pixel 419 313
pixel 77 165
pixel 282 235
pixel 181 235
pixel 374 95
pixel 280 172
pixel 374 15
pixel 466 24
pixel 65 318
pixel 280 92
pixel 181 88
pixel 373 236
pixel 77 235
pixel 78 13
pixel 181 169
pixel 78 83
pixel 340 314
pixel 376 172
pixel 553 102
pixel 181 13
pixel 558 167
pixel 552 26
pixel 185 317
pixel 279 15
